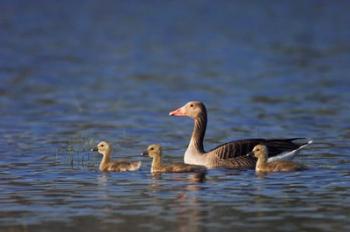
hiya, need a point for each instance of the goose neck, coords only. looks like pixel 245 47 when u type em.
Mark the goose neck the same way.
pixel 261 162
pixel 198 133
pixel 156 162
pixel 105 159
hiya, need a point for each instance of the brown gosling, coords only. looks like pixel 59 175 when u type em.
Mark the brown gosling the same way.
pixel 108 165
pixel 155 152
pixel 261 153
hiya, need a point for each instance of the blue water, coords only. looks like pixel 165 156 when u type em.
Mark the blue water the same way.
pixel 74 73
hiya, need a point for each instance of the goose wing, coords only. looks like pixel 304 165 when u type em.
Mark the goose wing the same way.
pixel 242 147
pixel 239 162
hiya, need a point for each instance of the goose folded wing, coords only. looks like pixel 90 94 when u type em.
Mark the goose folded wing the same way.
pixel 242 147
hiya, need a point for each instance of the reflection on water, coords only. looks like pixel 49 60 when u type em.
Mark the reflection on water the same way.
pixel 75 73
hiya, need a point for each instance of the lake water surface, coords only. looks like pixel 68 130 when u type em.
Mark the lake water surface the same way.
pixel 75 72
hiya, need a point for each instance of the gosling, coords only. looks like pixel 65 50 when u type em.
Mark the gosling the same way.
pixel 155 151
pixel 108 165
pixel 261 153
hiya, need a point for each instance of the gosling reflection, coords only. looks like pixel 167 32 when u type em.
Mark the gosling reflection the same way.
pixel 179 192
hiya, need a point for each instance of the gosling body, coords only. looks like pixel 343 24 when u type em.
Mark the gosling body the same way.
pixel 155 152
pixel 262 165
pixel 108 165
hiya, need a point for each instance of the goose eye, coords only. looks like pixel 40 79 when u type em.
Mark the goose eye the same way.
pixel 191 105
pixel 152 149
pixel 102 145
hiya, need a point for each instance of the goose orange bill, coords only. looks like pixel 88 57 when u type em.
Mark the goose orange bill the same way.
pixel 178 112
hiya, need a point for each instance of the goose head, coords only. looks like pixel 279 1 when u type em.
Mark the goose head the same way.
pixel 192 109
pixel 103 148
pixel 153 151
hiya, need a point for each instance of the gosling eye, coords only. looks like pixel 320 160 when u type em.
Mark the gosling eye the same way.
pixel 152 148
pixel 102 145
pixel 191 105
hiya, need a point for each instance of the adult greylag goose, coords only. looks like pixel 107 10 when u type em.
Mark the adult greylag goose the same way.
pixel 155 152
pixel 231 154
pixel 107 165
pixel 261 153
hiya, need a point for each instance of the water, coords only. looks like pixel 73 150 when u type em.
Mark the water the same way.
pixel 73 74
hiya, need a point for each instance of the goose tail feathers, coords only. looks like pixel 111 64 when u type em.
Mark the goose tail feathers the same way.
pixel 289 155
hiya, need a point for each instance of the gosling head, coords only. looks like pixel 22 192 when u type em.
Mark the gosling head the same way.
pixel 103 148
pixel 260 151
pixel 192 109
pixel 153 150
